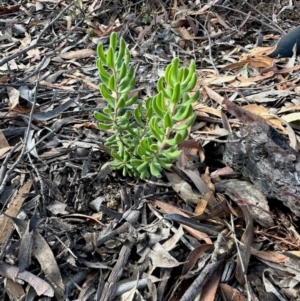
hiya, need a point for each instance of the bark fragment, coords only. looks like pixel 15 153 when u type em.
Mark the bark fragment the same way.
pixel 263 155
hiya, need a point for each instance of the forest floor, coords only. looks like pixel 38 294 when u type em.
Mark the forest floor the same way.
pixel 72 228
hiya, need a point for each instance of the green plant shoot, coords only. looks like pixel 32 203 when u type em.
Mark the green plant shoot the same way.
pixel 145 135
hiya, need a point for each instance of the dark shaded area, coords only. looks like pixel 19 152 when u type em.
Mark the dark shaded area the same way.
pixel 284 47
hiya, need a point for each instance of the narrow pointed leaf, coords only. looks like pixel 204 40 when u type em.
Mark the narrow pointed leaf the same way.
pixel 107 95
pixel 101 117
pixel 110 58
pixel 104 126
pixel 176 94
pixel 113 40
pixel 101 54
pixel 167 121
pixel 132 100
pixel 185 125
pixel 112 83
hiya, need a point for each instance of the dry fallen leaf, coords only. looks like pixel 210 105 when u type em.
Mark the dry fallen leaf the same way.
pixel 78 54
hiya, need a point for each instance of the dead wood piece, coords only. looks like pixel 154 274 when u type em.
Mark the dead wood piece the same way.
pixel 111 284
pixel 263 155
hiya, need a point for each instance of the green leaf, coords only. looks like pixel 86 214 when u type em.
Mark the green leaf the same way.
pixel 113 137
pixel 183 112
pixel 173 141
pixel 107 110
pixel 168 93
pixel 174 70
pixel 110 58
pixel 138 115
pixel 125 81
pixel 132 100
pixel 136 162
pixel 167 121
pixel 168 75
pixel 124 171
pixel 122 50
pixel 112 144
pixel 183 72
pixel 121 149
pixel 116 156
pixel 148 103
pixel 154 148
pixel 191 85
pixel 101 117
pixel 125 87
pixel 171 155
pixel 107 95
pixel 160 84
pixel 113 40
pixel 143 166
pixel 141 151
pixel 104 79
pixel 101 54
pixel 156 109
pixel 127 58
pixel 125 97
pixel 191 72
pixel 102 70
pixel 150 113
pixel 158 137
pixel 186 124
pixel 154 122
pixel 130 74
pixel 112 83
pixel 103 126
pixel 184 134
pixel 130 128
pixel 179 137
pixel 176 93
pixel 121 103
pixel 160 101
pixel 155 170
pixel 145 144
pixel 122 72
pixel 144 174
pixel 124 117
pixel 187 100
pixel 195 97
pixel 116 165
pixel 164 162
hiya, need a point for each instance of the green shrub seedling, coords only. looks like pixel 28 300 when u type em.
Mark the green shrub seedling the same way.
pixel 145 136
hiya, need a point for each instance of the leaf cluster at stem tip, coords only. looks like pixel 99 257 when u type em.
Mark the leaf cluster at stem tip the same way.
pixel 144 134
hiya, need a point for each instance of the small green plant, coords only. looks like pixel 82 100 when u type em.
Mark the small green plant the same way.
pixel 144 136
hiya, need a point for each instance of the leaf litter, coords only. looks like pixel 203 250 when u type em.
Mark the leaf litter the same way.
pixel 74 229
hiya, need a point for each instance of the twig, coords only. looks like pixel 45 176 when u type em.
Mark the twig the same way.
pixel 43 188
pixel 116 273
pixel 217 258
pixel 158 184
pixel 197 138
pixel 209 48
pixel 241 259
pixel 271 21
pixel 276 28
